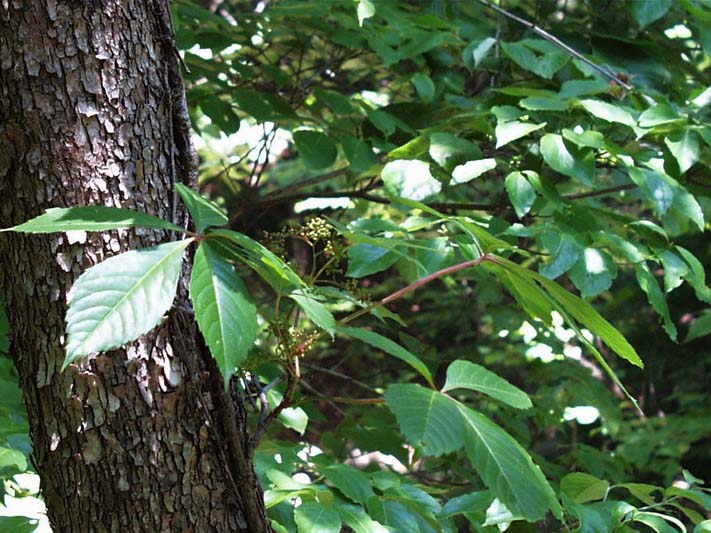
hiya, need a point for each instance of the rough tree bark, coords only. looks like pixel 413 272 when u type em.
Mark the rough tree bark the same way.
pixel 92 112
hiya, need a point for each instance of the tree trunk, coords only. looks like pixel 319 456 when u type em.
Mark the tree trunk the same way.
pixel 92 112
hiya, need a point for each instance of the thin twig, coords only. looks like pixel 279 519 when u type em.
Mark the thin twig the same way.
pixel 600 192
pixel 435 275
pixel 560 44
pixel 307 183
pixel 269 202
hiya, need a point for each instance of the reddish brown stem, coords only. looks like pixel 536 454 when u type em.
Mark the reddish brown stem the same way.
pixel 435 275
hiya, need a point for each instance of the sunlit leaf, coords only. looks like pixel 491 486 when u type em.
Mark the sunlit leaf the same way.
pixel 507 132
pixel 410 179
pixel 365 10
pixel 91 218
pixel 122 298
pixel 579 164
pixel 471 170
pixel 223 309
pixel 593 272
pixel 521 193
pixel 685 147
pixel 608 112
pixel 204 212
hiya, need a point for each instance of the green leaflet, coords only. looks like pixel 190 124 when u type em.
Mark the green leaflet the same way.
pixel 448 150
pixel 579 164
pixel 507 132
pixel 593 272
pixel 313 516
pixel 424 86
pixel 527 293
pixel 317 149
pixel 122 298
pixel 581 311
pixel 655 296
pixel 390 347
pixel 223 309
pixel 365 259
pixel 410 179
pixel 442 425
pixel 608 112
pixel 358 520
pixel 91 218
pixel 685 147
pixel 315 310
pixel 204 212
pixel 472 170
pixel 353 483
pixel 467 375
pixel 521 192
pixel 263 261
pixel 506 468
pixel 583 487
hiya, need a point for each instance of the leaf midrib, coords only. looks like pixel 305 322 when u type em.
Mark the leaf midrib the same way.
pixel 129 292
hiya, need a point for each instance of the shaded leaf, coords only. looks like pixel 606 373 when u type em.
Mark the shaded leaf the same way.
pixel 365 259
pixel 314 517
pixel 359 153
pixel 583 487
pixel 353 483
pixel 507 469
pixel 317 149
pixel 315 310
pixel 424 86
pixel 389 347
pixel 466 375
pixel 648 11
pixel 358 520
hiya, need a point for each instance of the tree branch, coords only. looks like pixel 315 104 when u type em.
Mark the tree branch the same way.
pixel 560 44
pixel 269 201
pixel 600 192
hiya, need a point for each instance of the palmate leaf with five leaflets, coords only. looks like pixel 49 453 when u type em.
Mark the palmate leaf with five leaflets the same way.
pixel 223 309
pixel 442 425
pixel 122 298
pixel 238 247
